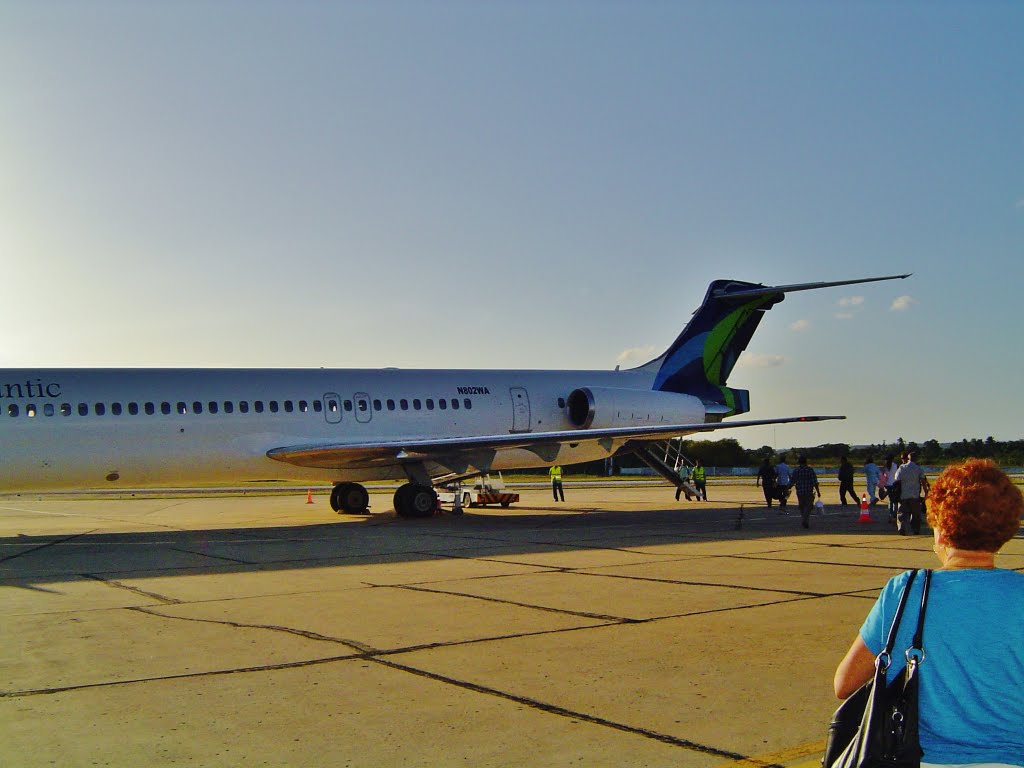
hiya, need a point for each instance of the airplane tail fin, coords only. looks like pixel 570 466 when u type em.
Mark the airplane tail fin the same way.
pixel 700 360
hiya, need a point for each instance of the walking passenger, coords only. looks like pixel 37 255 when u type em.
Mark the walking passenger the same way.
pixel 891 489
pixel 783 480
pixel 766 479
pixel 805 481
pixel 912 482
pixel 970 707
pixel 872 474
pixel 846 481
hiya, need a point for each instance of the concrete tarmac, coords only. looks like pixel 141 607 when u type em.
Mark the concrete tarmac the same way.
pixel 620 628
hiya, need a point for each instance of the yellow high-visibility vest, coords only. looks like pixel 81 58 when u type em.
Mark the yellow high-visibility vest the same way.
pixel 555 473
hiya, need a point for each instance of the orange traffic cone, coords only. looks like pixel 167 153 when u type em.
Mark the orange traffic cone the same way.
pixel 309 496
pixel 865 516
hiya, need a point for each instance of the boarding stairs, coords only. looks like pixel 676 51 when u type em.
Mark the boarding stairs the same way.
pixel 665 457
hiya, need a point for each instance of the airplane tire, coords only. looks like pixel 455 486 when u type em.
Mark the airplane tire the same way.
pixel 354 499
pixel 413 500
pixel 336 493
pixel 400 503
pixel 422 501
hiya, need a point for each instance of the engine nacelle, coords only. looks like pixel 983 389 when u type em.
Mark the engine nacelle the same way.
pixel 597 407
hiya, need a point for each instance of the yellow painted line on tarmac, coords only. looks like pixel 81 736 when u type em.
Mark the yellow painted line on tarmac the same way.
pixel 783 757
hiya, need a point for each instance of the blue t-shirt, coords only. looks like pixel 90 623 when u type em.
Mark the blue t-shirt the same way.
pixel 972 676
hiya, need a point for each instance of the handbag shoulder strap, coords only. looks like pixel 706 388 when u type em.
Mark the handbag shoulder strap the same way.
pixel 916 644
pixel 894 628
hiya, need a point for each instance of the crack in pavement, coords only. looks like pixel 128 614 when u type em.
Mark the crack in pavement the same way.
pixel 503 601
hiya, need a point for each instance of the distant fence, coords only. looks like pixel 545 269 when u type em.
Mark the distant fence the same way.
pixel 752 471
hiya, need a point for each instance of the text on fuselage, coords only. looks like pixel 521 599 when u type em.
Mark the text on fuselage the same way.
pixel 30 388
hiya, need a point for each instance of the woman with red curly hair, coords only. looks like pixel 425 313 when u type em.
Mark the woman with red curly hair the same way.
pixel 971 706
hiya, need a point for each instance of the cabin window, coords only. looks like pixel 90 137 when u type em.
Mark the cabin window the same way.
pixel 561 402
pixel 416 404
pixel 150 409
pixel 377 405
pixel 430 404
pixel 115 409
pixel 442 404
pixel 403 404
pixel 455 404
pixel 467 403
pixel 99 409
pixel 257 406
pixel 391 405
pixel 65 409
pixel 133 409
pixel 165 408
pixel 243 406
pixel 12 410
pixel 30 410
pixel 197 407
pixel 332 406
pixel 317 406
pixel 288 406
pixel 273 406
pixel 363 404
pixel 83 409
pixel 181 409
pixel 348 405
pixel 229 407
pixel 212 406
pixel 48 409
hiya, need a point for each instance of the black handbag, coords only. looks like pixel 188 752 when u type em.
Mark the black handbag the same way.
pixel 877 725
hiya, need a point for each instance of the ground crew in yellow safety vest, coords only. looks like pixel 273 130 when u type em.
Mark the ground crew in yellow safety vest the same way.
pixel 699 480
pixel 555 473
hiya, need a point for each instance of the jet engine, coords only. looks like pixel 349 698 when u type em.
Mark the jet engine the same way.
pixel 597 407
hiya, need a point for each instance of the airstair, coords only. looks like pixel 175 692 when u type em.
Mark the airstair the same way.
pixel 666 457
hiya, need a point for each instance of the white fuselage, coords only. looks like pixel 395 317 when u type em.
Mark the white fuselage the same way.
pixel 109 428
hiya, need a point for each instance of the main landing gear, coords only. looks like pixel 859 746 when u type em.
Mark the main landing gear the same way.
pixel 411 499
pixel 415 500
pixel 350 498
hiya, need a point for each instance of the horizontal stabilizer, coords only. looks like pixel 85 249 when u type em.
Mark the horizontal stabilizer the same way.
pixel 768 290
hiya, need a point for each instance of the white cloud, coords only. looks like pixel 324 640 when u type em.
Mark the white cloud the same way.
pixel 902 304
pixel 844 315
pixel 748 360
pixel 800 325
pixel 636 355
pixel 851 301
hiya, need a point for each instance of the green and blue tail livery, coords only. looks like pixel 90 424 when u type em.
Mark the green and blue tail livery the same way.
pixel 700 360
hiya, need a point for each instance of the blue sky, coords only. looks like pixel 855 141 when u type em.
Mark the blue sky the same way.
pixel 536 185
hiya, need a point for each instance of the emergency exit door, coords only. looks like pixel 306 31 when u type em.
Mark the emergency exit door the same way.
pixel 520 409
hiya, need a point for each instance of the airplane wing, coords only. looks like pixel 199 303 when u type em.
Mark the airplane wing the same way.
pixel 458 454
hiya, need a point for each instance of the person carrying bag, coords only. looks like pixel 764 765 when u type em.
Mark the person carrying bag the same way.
pixel 877 726
pixel 970 689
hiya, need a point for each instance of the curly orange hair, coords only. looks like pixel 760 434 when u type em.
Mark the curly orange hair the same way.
pixel 975 506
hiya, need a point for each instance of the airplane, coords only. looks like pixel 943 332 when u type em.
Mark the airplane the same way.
pixel 81 428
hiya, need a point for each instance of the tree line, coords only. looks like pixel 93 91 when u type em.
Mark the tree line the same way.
pixel 729 452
